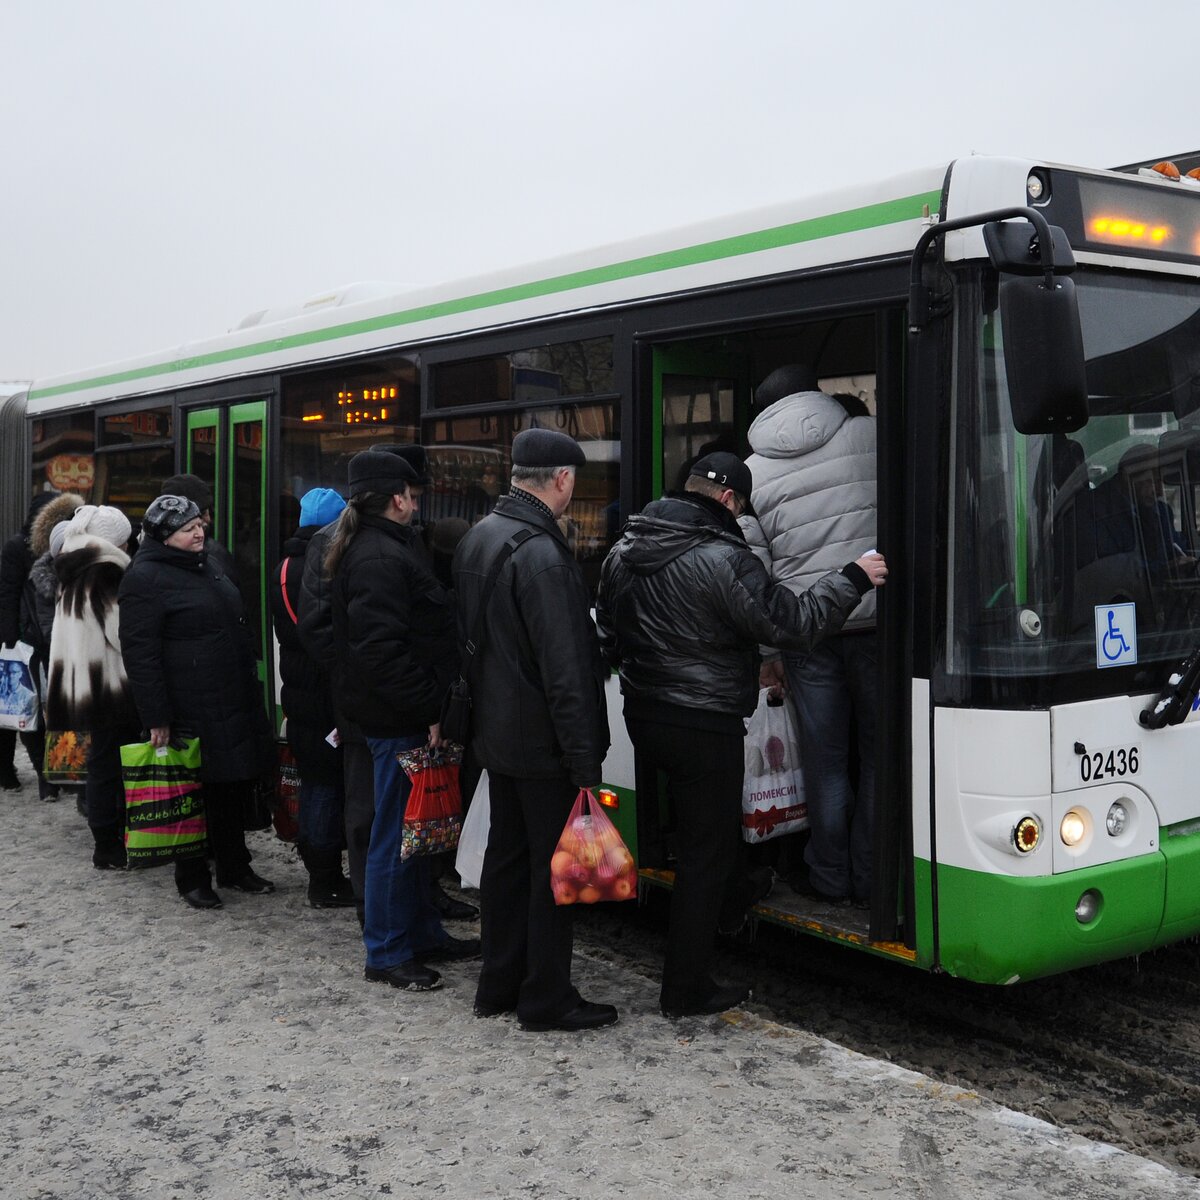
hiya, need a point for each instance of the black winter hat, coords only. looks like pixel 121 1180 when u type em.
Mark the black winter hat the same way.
pixel 191 486
pixel 167 515
pixel 382 472
pixel 784 381
pixel 546 448
pixel 416 458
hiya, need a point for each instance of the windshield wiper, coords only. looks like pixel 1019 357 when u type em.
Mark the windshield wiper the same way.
pixel 1177 698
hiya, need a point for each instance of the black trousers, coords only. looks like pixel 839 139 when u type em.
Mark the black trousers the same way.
pixel 34 742
pixel 704 770
pixel 358 773
pixel 104 790
pixel 224 804
pixel 527 938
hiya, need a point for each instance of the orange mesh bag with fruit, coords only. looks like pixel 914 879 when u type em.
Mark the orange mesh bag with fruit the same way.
pixel 591 862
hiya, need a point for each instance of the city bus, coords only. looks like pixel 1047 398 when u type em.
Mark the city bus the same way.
pixel 1027 338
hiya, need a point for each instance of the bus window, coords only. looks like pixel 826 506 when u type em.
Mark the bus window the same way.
pixel 328 416
pixel 63 454
pixel 470 457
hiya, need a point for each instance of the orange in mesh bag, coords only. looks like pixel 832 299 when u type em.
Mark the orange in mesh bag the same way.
pixel 591 862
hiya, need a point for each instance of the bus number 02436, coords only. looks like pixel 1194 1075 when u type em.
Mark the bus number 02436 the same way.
pixel 1115 763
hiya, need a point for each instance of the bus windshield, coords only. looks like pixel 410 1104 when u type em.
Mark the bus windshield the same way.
pixel 1050 533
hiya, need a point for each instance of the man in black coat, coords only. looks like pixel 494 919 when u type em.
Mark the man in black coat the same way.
pixel 540 729
pixel 393 630
pixel 15 561
pixel 683 607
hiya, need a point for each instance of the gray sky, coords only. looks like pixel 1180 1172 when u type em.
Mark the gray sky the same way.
pixel 170 166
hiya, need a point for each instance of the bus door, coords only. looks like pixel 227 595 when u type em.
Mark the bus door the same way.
pixel 226 447
pixel 701 403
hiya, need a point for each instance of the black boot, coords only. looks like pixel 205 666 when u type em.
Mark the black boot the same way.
pixel 109 854
pixel 327 886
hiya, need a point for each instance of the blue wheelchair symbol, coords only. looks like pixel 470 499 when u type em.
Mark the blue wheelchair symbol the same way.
pixel 1116 635
pixel 1115 638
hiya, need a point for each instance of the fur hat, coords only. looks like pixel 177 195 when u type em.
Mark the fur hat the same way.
pixel 58 509
pixel 167 515
pixel 102 521
pixel 382 472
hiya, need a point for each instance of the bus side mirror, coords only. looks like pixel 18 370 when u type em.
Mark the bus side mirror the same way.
pixel 1043 354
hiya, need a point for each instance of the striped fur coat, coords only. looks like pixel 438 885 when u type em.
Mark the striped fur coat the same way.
pixel 87 687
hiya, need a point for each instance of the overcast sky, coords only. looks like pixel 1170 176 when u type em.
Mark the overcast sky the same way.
pixel 169 166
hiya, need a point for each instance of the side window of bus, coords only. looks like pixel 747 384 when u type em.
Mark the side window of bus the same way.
pixel 470 459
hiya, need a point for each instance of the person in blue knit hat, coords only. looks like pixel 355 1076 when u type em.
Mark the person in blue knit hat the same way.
pixel 307 703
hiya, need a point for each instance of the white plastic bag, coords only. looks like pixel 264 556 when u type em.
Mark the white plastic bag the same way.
pixel 20 708
pixel 472 842
pixel 773 790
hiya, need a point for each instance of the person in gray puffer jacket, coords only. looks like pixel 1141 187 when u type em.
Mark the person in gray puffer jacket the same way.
pixel 815 497
pixel 682 609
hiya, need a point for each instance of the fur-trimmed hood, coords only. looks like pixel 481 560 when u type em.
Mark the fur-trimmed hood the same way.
pixel 58 509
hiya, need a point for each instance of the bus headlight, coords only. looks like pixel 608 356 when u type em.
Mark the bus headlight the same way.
pixel 1117 819
pixel 1073 828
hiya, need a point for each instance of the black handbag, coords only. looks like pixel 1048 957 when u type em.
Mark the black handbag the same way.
pixel 455 721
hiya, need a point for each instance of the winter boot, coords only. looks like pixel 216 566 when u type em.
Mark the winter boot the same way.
pixel 327 886
pixel 109 854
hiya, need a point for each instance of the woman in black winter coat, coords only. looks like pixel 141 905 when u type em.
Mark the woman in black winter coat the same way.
pixel 15 560
pixel 190 660
pixel 307 701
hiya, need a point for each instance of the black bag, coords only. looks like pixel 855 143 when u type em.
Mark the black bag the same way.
pixel 455 721
pixel 258 803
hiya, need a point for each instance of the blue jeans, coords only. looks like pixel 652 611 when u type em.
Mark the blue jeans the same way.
pixel 320 816
pixel 837 680
pixel 400 922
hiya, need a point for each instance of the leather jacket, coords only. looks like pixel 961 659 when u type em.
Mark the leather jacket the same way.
pixel 537 682
pixel 684 604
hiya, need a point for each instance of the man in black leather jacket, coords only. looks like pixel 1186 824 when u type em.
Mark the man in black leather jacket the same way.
pixel 683 606
pixel 540 728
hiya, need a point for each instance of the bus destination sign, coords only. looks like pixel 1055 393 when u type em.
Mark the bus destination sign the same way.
pixel 1152 220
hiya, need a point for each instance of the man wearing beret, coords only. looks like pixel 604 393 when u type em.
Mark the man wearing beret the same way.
pixel 394 653
pixel 683 606
pixel 540 728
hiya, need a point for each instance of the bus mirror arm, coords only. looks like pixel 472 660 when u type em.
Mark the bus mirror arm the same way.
pixel 1177 698
pixel 918 293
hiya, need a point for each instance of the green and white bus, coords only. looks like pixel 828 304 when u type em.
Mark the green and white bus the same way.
pixel 1033 406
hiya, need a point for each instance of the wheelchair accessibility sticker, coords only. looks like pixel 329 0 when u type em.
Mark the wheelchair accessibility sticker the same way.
pixel 1116 635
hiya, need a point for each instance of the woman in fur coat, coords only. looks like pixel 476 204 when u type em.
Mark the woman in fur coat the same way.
pixel 87 689
pixel 38 598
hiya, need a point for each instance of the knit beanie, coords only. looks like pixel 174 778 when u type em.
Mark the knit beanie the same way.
pixel 102 521
pixel 167 515
pixel 319 506
pixel 58 535
pixel 380 472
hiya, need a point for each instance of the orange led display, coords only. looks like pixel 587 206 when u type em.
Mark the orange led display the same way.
pixel 1128 232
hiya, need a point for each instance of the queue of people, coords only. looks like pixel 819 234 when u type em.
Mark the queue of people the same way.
pixel 147 638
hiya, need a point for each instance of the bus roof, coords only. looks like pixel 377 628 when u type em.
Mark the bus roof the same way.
pixel 873 220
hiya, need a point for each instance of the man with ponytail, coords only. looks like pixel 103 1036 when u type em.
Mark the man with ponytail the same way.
pixel 394 637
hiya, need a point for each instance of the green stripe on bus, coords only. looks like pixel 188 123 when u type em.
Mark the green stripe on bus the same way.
pixel 888 212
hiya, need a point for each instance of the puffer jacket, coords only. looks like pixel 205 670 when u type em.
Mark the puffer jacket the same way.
pixel 190 659
pixel 537 683
pixel 814 492
pixel 684 604
pixel 87 688
pixel 393 630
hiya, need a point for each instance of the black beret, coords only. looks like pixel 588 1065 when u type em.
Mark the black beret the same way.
pixel 381 472
pixel 546 448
